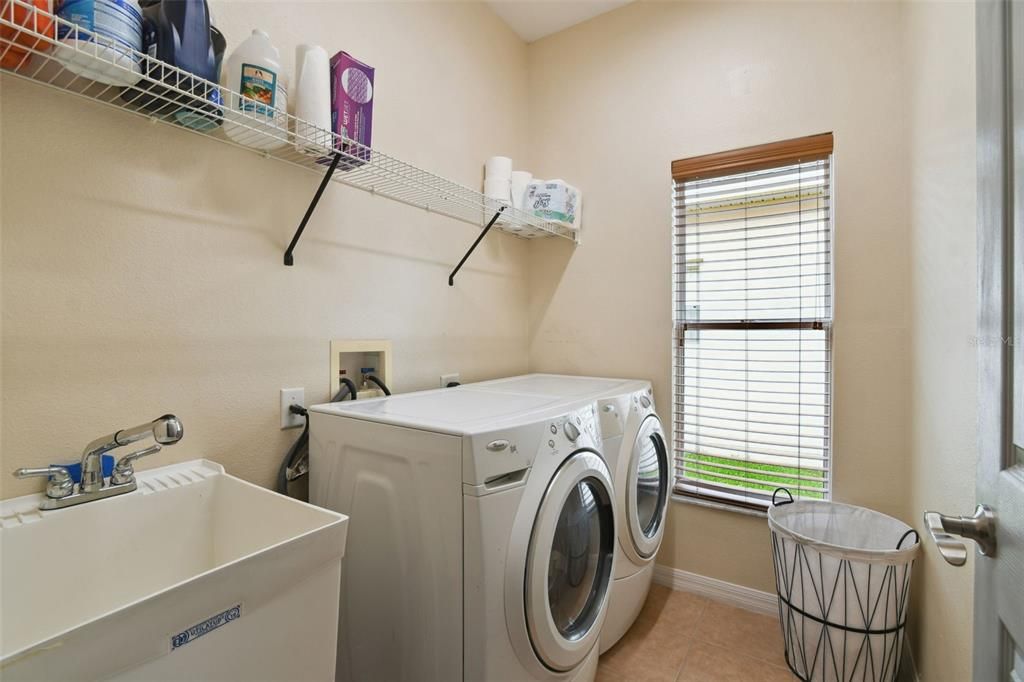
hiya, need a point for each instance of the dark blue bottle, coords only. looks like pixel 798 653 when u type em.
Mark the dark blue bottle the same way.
pixel 178 33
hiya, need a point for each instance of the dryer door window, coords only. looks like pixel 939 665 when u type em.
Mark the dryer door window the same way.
pixel 569 566
pixel 650 485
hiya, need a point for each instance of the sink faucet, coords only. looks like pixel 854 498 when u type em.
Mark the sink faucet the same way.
pixel 166 430
pixel 61 492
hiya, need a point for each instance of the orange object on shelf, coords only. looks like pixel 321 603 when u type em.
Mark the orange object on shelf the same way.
pixel 36 17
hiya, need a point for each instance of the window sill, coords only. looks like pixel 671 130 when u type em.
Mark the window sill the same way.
pixel 721 506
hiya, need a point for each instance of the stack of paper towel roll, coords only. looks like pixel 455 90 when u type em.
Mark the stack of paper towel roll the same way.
pixel 520 181
pixel 503 184
pixel 498 179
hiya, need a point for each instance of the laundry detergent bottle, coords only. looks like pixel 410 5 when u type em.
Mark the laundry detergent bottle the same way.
pixel 178 33
pixel 211 113
pixel 15 44
pixel 255 111
pixel 100 39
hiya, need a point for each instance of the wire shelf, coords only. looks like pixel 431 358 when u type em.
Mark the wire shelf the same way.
pixel 95 67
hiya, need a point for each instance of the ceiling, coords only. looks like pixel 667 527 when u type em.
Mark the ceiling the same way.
pixel 534 19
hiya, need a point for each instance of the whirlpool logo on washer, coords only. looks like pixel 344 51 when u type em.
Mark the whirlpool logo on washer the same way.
pixel 206 627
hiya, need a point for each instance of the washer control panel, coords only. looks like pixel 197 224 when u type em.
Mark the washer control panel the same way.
pixel 574 430
pixel 499 459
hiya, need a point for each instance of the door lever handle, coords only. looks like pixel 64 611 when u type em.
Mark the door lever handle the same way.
pixel 945 531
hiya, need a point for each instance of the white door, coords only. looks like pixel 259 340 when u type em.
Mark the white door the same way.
pixel 999 578
pixel 569 565
pixel 647 490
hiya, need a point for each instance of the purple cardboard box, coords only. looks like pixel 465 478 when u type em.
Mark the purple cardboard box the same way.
pixel 352 106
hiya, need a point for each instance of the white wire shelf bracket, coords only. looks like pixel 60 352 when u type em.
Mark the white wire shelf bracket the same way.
pixel 139 84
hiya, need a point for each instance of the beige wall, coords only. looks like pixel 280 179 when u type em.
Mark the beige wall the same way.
pixel 652 82
pixel 941 118
pixel 142 267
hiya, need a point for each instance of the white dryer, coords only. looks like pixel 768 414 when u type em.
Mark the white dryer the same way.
pixel 635 449
pixel 481 537
pixel 642 473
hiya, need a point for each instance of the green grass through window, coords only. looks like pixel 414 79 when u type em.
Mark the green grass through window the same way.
pixel 766 477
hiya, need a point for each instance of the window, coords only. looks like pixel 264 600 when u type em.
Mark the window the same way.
pixel 753 322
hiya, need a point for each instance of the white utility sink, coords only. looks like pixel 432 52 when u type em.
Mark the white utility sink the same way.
pixel 197 575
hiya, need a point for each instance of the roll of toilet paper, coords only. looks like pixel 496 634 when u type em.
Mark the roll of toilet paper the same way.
pixel 312 100
pixel 498 167
pixel 498 189
pixel 520 180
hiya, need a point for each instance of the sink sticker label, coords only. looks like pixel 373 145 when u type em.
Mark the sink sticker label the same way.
pixel 205 627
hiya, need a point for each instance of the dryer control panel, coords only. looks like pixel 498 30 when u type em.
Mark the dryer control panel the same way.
pixel 612 413
pixel 644 400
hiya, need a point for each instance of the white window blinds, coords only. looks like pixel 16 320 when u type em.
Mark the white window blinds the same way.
pixel 753 313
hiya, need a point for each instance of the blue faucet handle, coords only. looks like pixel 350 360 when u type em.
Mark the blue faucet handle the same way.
pixel 75 468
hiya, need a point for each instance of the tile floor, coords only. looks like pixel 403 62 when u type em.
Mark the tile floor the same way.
pixel 680 637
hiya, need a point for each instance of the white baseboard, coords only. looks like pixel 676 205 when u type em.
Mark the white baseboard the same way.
pixel 719 590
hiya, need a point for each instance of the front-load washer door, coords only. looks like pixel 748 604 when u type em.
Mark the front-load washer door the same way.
pixel 647 491
pixel 569 564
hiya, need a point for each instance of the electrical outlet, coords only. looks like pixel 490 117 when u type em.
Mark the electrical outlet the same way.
pixel 289 397
pixel 449 378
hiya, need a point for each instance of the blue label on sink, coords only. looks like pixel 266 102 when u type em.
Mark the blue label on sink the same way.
pixel 206 627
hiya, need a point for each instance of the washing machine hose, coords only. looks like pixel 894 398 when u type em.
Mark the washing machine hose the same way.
pixel 299 451
pixel 380 384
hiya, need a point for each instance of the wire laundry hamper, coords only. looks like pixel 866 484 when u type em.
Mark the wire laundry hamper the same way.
pixel 842 574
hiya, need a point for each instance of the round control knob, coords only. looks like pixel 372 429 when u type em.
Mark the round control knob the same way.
pixel 645 401
pixel 571 432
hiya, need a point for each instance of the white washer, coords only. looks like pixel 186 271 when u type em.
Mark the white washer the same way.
pixel 481 534
pixel 635 449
